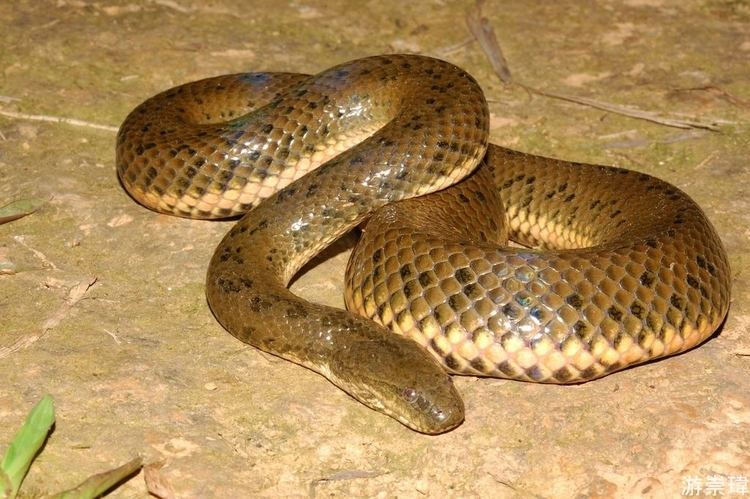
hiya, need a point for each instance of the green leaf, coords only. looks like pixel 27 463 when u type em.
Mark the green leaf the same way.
pixel 26 444
pixel 97 485
pixel 19 209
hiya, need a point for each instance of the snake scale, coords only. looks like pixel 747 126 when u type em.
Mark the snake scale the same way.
pixel 616 267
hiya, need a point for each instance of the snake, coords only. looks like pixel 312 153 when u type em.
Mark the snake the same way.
pixel 609 267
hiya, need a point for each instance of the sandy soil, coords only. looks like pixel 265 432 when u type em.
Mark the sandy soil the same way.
pixel 102 303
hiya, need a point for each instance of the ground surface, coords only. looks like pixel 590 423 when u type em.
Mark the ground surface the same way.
pixel 102 301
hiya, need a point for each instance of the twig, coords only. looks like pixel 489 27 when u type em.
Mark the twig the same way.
pixel 75 294
pixel 717 91
pixel 173 5
pixel 234 447
pixel 627 110
pixel 630 158
pixel 450 49
pixel 114 336
pixel 21 208
pixel 718 121
pixel 45 261
pixel 343 475
pixel 485 34
pixel 47 25
pixel 56 119
pixel 706 160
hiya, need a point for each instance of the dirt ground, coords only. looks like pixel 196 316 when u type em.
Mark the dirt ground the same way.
pixel 102 302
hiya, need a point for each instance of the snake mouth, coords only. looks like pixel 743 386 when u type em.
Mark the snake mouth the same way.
pixel 426 402
pixel 435 417
pixel 431 409
pixel 420 415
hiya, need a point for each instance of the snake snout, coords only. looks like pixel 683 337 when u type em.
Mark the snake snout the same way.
pixel 398 377
pixel 437 411
pixel 430 405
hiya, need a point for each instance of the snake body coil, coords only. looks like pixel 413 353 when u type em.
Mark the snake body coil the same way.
pixel 627 267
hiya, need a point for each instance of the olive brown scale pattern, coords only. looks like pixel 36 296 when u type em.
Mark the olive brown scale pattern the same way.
pixel 628 269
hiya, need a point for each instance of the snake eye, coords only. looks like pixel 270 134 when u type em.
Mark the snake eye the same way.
pixel 410 394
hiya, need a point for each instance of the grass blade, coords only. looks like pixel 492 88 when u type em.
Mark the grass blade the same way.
pixel 19 209
pixel 26 444
pixel 97 485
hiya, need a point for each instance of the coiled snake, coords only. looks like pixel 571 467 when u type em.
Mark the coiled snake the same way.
pixel 626 267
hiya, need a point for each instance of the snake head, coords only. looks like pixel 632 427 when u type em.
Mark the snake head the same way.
pixel 394 375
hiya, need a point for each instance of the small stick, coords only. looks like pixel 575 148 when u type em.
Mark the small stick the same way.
pixel 627 111
pixel 75 294
pixel 719 92
pixel 57 119
pixel 450 49
pixel 41 256
pixel 485 34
